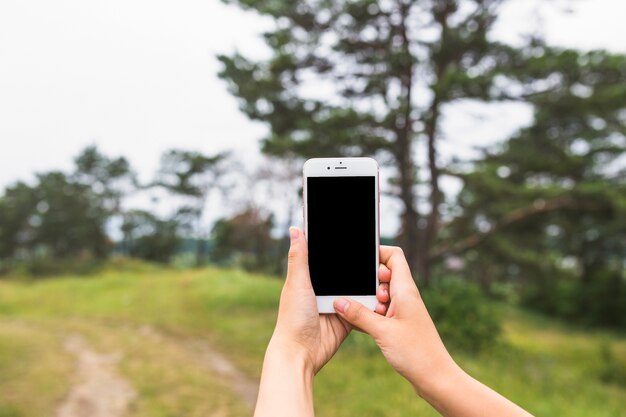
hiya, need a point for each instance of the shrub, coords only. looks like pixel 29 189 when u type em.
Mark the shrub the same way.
pixel 600 301
pixel 41 267
pixel 465 318
pixel 611 371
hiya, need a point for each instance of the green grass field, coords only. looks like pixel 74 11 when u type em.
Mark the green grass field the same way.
pixel 544 366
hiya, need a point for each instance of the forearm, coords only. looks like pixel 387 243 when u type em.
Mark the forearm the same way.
pixel 286 387
pixel 456 394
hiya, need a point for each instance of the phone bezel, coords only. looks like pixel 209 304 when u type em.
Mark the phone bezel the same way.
pixel 344 167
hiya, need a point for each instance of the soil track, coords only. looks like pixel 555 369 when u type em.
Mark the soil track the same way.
pixel 100 391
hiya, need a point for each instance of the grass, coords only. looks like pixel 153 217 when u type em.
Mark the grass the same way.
pixel 546 367
pixel 30 359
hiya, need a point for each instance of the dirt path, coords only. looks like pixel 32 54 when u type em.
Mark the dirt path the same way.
pixel 240 383
pixel 213 361
pixel 100 391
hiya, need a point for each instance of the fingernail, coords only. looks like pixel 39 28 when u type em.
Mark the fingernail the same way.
pixel 385 292
pixel 341 305
pixel 294 234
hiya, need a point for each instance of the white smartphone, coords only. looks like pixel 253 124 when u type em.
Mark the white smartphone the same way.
pixel 341 203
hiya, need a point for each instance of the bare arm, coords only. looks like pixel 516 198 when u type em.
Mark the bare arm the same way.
pixel 286 385
pixel 457 394
pixel 302 343
pixel 410 342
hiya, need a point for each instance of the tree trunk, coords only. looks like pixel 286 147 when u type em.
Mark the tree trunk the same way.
pixel 430 229
pixel 200 251
pixel 200 242
pixel 486 279
pixel 409 235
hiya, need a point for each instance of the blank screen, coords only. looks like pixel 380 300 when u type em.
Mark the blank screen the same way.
pixel 341 218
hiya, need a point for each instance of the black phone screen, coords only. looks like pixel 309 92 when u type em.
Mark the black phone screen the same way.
pixel 341 221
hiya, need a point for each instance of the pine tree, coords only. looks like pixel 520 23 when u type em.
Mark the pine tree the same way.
pixel 548 208
pixel 388 70
pixel 392 67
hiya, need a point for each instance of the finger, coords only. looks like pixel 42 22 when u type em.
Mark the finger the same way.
pixel 381 309
pixel 383 293
pixel 358 315
pixel 384 274
pixel 393 258
pixel 297 260
pixel 401 280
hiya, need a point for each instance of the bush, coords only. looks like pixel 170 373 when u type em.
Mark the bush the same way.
pixel 41 267
pixel 465 318
pixel 601 301
pixel 611 371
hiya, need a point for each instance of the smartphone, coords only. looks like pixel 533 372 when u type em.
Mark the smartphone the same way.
pixel 341 203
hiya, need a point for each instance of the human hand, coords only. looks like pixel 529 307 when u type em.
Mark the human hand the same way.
pixel 402 328
pixel 303 341
pixel 301 332
pixel 409 341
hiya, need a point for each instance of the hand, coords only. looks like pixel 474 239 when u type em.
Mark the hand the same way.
pixel 409 340
pixel 303 341
pixel 403 328
pixel 301 332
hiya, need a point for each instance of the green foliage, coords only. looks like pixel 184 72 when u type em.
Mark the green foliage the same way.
pixel 612 370
pixel 372 59
pixel 465 318
pixel 543 212
pixel 245 240
pixel 547 208
pixel 110 179
pixel 189 173
pixel 193 176
pixel 59 224
pixel 365 50
pixel 57 217
pixel 46 266
pixel 149 237
pixel 62 217
pixel 599 302
pixel 16 207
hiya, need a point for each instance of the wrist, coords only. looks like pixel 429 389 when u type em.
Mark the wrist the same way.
pixel 440 373
pixel 445 378
pixel 284 350
pixel 286 387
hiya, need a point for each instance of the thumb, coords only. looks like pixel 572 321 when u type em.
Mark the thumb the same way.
pixel 358 315
pixel 297 260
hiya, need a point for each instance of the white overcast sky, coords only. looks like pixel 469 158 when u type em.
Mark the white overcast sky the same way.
pixel 137 77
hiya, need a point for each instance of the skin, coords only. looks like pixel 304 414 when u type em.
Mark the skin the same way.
pixel 304 341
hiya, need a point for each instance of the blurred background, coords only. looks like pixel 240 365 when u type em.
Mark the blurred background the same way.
pixel 150 166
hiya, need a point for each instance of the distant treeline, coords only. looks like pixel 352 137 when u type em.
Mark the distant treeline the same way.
pixel 62 222
pixel 69 217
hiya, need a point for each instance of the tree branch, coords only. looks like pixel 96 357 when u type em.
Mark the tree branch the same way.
pixel 538 207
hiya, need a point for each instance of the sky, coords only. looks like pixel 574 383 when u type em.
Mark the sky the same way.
pixel 137 77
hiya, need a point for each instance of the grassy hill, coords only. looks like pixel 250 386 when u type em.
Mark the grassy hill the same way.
pixel 157 322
